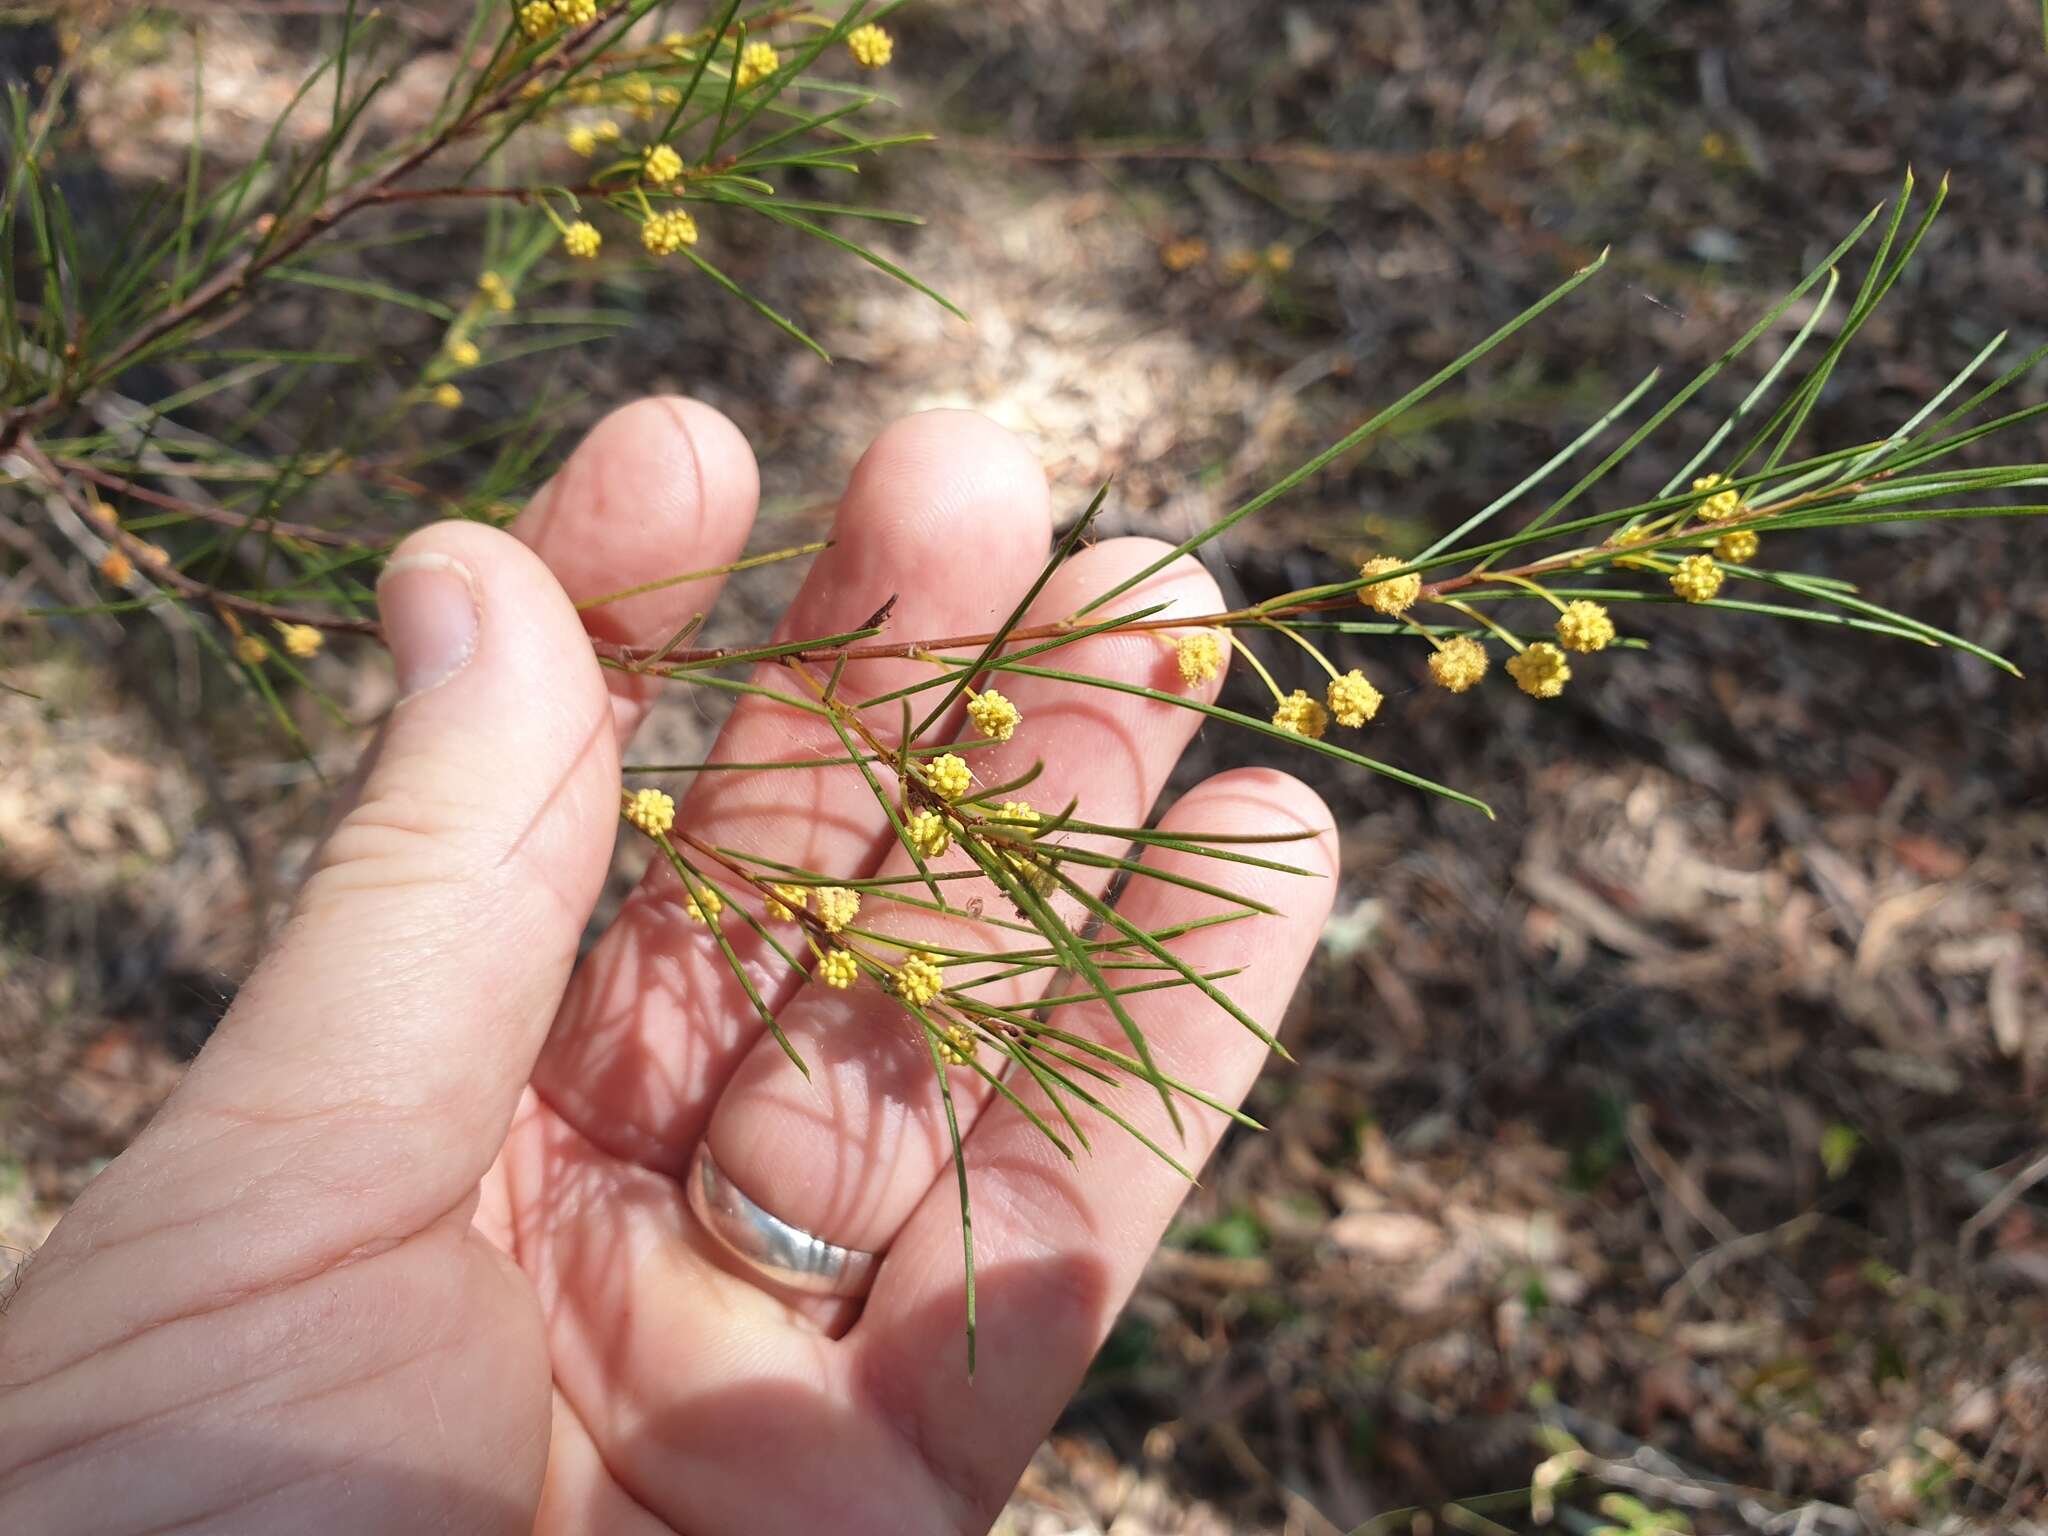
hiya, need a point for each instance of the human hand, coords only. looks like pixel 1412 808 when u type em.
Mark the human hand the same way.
pixel 409 1248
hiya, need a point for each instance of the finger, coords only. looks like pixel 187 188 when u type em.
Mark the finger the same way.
pixel 848 1153
pixel 1059 1245
pixel 365 1076
pixel 948 514
pixel 659 488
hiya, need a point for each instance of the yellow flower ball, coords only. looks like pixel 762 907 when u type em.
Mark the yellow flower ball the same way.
pixel 447 396
pixel 787 900
pixel 1392 597
pixel 582 140
pixel 582 240
pixel 537 19
pixel 955 1044
pixel 948 776
pixel 836 906
pixel 993 715
pixel 870 46
pixel 704 906
pixel 649 810
pixel 301 640
pixel 465 354
pixel 1302 715
pixel 660 165
pixel 1200 656
pixel 1738 546
pixel 918 979
pixel 576 13
pixel 666 233
pixel 1721 503
pixel 1541 671
pixel 117 567
pixel 839 969
pixel 251 650
pixel 1584 626
pixel 928 833
pixel 607 132
pixel 1459 665
pixel 1698 579
pixel 757 62
pixel 1352 699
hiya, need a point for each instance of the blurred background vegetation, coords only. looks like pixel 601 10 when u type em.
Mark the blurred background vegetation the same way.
pixel 1692 1111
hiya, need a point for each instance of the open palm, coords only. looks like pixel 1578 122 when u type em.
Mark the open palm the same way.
pixel 409 1248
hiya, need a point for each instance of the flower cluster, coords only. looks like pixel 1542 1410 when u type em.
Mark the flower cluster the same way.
pixel 1199 656
pixel 1302 715
pixel 1352 699
pixel 993 715
pixel 928 833
pixel 1698 579
pixel 1392 596
pixel 948 776
pixel 918 979
pixel 955 1044
pixel 786 901
pixel 650 810
pixel 1721 502
pixel 757 62
pixel 871 46
pixel 661 165
pixel 666 233
pixel 838 968
pixel 582 240
pixel 1541 671
pixel 1458 664
pixel 1584 626
pixel 836 906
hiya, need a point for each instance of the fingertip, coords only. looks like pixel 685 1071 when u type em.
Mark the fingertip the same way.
pixel 1266 801
pixel 947 486
pixel 660 486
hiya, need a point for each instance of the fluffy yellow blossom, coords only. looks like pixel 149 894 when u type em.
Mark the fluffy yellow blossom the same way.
pixel 465 354
pixel 582 140
pixel 1737 546
pixel 250 650
pixel 1459 665
pixel 582 241
pixel 948 775
pixel 1352 699
pixel 669 95
pixel 993 715
pixel 1181 255
pixel 1697 579
pixel 1393 597
pixel 757 62
pixel 1541 671
pixel 155 556
pixel 576 13
pixel 955 1044
pixel 836 906
pixel 1302 715
pixel 589 94
pixel 537 19
pixel 705 905
pixel 784 904
pixel 1584 626
pixel 1200 656
pixel 1279 257
pixel 117 567
pixel 839 969
pixel 301 640
pixel 661 164
pixel 447 396
pixel 675 42
pixel 1030 866
pixel 639 92
pixel 1721 503
pixel 918 979
pixel 490 283
pixel 870 46
pixel 607 132
pixel 666 233
pixel 1019 812
pixel 928 833
pixel 102 514
pixel 650 810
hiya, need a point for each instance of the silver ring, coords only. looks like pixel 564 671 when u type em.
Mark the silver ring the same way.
pixel 770 1246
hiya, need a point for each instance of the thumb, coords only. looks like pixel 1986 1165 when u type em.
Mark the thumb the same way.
pixel 409 994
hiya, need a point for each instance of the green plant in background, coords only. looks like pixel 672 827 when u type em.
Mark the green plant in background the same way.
pixel 268 548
